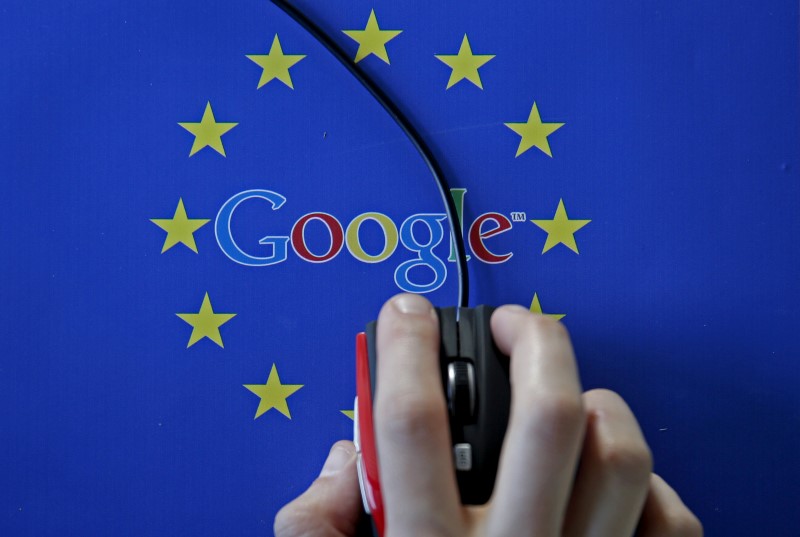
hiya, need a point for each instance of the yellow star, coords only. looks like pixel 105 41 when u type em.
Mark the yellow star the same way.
pixel 349 413
pixel 206 323
pixel 372 40
pixel 534 132
pixel 560 230
pixel 273 394
pixel 180 229
pixel 465 64
pixel 208 132
pixel 275 64
pixel 537 308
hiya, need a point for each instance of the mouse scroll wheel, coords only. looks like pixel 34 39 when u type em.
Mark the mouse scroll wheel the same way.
pixel 461 390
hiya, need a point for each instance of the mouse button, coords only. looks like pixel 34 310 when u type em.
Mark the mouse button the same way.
pixel 466 334
pixel 493 382
pixel 493 405
pixel 462 455
pixel 448 333
pixel 482 340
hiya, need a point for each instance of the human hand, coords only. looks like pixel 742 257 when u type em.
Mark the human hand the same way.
pixel 573 464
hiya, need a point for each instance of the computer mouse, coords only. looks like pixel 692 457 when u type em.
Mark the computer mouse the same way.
pixel 475 382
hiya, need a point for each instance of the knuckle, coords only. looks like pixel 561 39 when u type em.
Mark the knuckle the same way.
pixel 603 397
pixel 561 409
pixel 631 462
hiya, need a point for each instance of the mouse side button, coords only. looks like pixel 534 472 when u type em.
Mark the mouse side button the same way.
pixel 448 330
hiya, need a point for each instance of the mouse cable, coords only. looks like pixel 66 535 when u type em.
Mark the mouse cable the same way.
pixel 406 127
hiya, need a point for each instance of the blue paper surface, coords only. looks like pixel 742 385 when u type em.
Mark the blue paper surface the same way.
pixel 680 143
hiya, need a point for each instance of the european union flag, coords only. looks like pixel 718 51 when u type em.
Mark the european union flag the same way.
pixel 204 207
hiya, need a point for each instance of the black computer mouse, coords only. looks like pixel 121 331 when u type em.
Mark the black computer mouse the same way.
pixel 475 381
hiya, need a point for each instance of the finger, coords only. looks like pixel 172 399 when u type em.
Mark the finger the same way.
pixel 331 506
pixel 665 515
pixel 545 428
pixel 612 483
pixel 411 428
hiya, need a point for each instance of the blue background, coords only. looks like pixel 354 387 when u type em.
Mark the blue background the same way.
pixel 681 144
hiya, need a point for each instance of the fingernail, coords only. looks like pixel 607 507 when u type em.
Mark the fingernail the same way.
pixel 413 304
pixel 516 309
pixel 337 459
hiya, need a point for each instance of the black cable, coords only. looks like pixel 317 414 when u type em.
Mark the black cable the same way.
pixel 406 126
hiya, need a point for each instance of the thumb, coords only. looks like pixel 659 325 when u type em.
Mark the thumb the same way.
pixel 332 504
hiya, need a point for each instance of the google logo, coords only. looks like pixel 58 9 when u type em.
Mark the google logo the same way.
pixel 419 234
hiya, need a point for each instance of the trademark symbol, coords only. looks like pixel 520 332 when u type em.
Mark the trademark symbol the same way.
pixel 518 216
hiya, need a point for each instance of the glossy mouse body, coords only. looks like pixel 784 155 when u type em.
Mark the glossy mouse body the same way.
pixel 475 381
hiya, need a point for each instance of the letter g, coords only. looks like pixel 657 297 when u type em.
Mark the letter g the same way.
pixel 222 229
pixel 426 259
